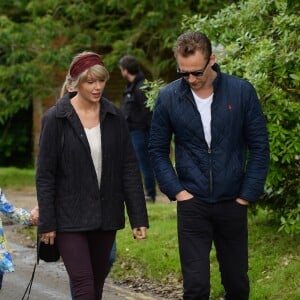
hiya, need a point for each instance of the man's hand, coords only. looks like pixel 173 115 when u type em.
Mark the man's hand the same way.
pixel 242 201
pixel 183 195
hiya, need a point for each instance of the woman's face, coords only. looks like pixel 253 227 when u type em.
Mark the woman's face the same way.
pixel 91 88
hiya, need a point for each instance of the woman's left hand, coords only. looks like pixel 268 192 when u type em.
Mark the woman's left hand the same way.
pixel 139 233
pixel 48 238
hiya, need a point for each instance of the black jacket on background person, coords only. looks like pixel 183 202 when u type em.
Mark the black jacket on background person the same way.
pixel 68 193
pixel 133 105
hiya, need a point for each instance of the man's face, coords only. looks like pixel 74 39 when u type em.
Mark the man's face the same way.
pixel 124 73
pixel 193 63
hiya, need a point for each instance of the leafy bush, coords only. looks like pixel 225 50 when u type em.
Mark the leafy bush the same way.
pixel 260 41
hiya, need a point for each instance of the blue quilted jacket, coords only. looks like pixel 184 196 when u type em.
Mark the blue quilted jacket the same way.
pixel 236 163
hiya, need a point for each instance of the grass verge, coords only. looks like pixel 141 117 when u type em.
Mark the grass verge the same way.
pixel 15 178
pixel 274 258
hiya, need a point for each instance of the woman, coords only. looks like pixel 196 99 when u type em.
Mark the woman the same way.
pixel 86 172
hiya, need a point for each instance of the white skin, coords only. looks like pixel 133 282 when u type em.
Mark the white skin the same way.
pixel 34 216
pixel 203 87
pixel 87 105
pixel 126 75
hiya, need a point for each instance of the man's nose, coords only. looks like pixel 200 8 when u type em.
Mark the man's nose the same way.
pixel 191 78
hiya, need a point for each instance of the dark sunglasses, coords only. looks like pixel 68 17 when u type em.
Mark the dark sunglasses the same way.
pixel 197 73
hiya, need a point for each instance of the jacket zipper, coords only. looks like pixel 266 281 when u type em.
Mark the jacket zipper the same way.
pixel 210 172
pixel 210 158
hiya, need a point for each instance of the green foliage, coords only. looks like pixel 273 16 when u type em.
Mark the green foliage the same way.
pixel 290 223
pixel 151 89
pixel 29 63
pixel 39 39
pixel 14 144
pixel 267 53
pixel 260 41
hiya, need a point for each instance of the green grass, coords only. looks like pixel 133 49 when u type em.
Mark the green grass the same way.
pixel 17 178
pixel 274 257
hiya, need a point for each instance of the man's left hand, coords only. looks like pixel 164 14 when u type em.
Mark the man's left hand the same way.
pixel 242 201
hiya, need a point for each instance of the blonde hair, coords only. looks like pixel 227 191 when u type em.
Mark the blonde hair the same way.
pixel 66 87
pixel 98 71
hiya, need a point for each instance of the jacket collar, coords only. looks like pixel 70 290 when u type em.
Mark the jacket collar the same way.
pixel 64 108
pixel 186 90
pixel 216 82
pixel 131 85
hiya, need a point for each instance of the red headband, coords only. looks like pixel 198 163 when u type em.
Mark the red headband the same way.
pixel 83 63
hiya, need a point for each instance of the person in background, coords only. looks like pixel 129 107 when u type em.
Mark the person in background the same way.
pixel 138 117
pixel 86 172
pixel 222 158
pixel 18 215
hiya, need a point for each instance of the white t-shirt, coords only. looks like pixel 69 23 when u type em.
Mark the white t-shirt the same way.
pixel 204 108
pixel 94 138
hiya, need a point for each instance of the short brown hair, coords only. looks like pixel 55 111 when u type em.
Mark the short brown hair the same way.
pixel 189 42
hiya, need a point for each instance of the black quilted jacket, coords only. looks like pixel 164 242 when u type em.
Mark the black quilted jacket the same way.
pixel 68 194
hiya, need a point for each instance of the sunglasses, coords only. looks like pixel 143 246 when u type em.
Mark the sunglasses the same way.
pixel 197 73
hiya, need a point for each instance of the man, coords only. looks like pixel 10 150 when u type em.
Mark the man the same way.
pixel 222 157
pixel 138 117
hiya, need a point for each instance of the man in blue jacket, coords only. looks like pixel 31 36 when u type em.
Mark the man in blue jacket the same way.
pixel 222 158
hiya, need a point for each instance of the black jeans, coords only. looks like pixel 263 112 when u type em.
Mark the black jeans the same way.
pixel 86 256
pixel 225 224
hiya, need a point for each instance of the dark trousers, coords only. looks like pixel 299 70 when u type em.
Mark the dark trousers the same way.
pixel 86 257
pixel 112 259
pixel 140 140
pixel 199 225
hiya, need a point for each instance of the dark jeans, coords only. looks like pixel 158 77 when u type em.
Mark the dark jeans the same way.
pixel 140 140
pixel 112 259
pixel 225 224
pixel 86 257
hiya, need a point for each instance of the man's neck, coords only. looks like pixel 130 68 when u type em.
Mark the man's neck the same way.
pixel 131 77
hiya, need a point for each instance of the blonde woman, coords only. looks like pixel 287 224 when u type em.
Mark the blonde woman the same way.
pixel 86 173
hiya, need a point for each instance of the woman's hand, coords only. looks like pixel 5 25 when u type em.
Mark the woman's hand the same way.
pixel 139 233
pixel 48 238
